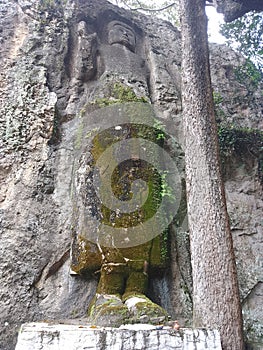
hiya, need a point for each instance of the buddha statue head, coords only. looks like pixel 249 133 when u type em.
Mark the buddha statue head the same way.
pixel 121 33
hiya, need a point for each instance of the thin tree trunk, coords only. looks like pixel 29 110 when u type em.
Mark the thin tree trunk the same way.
pixel 215 294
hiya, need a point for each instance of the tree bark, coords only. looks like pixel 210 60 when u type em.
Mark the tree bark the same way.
pixel 215 287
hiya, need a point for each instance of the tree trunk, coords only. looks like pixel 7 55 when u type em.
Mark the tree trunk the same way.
pixel 215 293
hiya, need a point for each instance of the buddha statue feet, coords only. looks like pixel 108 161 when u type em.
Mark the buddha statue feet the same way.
pixel 110 310
pixel 143 310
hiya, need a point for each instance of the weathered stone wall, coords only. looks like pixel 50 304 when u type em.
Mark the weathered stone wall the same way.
pixel 40 101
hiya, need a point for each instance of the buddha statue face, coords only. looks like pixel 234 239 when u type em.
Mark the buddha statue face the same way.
pixel 121 33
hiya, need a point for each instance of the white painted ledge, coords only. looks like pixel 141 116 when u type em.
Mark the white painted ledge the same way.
pixel 45 336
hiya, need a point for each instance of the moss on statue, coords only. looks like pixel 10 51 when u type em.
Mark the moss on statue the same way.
pixel 159 252
pixel 150 309
pixel 112 279
pixel 118 93
pixel 124 271
pixel 85 256
pixel 127 172
pixel 137 282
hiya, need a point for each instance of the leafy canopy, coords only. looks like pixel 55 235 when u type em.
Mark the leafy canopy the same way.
pixel 166 9
pixel 245 35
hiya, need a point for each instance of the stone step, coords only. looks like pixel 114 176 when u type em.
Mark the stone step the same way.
pixel 50 336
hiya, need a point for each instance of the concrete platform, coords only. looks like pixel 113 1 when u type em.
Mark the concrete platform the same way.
pixel 48 336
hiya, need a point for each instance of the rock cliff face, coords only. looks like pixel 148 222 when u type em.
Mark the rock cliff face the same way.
pixel 232 9
pixel 44 84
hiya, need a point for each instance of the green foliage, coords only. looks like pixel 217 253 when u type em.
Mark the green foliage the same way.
pixel 218 102
pixel 245 35
pixel 125 94
pixel 160 130
pixel 248 74
pixel 240 140
pixel 218 99
pixel 166 190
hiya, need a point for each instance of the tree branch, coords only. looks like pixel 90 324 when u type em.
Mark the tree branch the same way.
pixel 152 10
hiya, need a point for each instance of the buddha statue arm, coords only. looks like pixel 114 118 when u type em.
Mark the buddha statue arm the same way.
pixel 85 65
